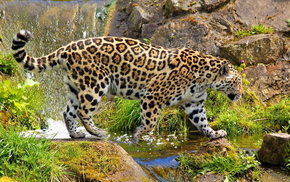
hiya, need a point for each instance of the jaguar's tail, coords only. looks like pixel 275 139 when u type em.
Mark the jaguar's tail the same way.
pixel 31 63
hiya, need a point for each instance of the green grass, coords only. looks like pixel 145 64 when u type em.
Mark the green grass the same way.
pixel 233 166
pixel 27 159
pixel 255 29
pixel 125 116
pixel 247 116
pixel 88 160
pixel 8 65
pixel 19 103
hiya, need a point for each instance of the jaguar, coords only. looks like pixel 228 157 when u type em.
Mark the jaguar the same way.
pixel 124 67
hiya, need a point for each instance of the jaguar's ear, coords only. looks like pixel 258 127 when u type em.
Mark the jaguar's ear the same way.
pixel 225 71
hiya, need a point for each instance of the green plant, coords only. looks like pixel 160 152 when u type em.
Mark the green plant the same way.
pixel 127 115
pixel 20 103
pixel 288 22
pixel 148 41
pixel 261 29
pixel 232 166
pixel 255 29
pixel 90 161
pixel 27 159
pixel 8 65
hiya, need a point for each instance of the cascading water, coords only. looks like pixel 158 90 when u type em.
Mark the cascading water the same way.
pixel 53 24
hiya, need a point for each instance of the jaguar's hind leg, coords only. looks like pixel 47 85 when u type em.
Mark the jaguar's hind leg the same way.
pixel 88 104
pixel 70 115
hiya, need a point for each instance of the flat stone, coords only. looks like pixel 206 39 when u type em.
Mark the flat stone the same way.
pixel 275 149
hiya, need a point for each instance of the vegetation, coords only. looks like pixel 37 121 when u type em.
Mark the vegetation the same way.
pixel 288 22
pixel 232 166
pixel 255 29
pixel 19 103
pixel 27 159
pixel 8 65
pixel 85 161
pixel 247 116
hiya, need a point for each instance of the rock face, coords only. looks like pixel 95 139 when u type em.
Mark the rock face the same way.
pixel 275 149
pixel 270 81
pixel 209 26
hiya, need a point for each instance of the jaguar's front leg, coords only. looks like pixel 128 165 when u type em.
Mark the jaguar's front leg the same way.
pixel 197 115
pixel 150 110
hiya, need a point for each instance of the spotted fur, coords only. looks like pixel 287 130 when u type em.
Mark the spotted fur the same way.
pixel 128 68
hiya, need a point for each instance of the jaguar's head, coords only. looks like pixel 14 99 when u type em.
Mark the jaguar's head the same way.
pixel 229 82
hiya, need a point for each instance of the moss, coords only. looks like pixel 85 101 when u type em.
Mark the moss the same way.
pixel 89 160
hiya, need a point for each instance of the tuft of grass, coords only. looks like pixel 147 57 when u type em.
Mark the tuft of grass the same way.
pixel 8 65
pixel 233 166
pixel 255 29
pixel 288 22
pixel 126 116
pixel 27 159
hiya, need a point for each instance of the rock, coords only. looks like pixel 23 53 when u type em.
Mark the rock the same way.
pixel 176 7
pixel 210 177
pixel 262 48
pixel 176 33
pixel 219 146
pixel 267 12
pixel 275 149
pixel 270 82
pixel 211 5
pixel 98 160
pixel 137 18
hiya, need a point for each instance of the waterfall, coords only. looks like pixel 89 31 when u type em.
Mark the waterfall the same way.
pixel 53 24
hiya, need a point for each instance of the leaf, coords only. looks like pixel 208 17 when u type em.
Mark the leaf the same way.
pixel 27 83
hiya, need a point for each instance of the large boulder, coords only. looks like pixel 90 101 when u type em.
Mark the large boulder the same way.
pixel 262 48
pixel 275 149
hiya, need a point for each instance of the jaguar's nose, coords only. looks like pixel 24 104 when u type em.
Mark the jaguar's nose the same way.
pixel 234 97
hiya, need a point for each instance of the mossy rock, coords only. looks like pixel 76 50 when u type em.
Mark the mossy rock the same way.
pixel 219 146
pixel 98 161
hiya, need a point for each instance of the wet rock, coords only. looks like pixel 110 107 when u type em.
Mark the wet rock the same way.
pixel 219 146
pixel 275 149
pixel 263 48
pixel 270 82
